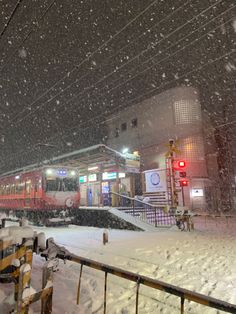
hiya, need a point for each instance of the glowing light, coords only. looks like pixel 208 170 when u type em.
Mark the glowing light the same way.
pixel 125 150
pixel 49 171
pixel 92 168
pixel 182 164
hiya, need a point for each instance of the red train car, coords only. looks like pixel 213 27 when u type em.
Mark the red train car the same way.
pixel 40 192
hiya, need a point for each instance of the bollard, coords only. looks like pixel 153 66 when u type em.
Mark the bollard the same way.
pixel 105 237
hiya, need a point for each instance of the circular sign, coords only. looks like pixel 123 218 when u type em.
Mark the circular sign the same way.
pixel 155 178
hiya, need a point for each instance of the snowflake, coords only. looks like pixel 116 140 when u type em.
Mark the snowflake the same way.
pixel 22 53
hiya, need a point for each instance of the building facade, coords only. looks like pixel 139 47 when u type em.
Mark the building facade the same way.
pixel 148 126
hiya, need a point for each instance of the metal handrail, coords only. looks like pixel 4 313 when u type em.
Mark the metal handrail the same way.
pixel 163 206
pixel 137 200
pixel 184 294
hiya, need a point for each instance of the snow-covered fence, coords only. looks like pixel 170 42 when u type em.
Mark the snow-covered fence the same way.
pixel 27 295
pixel 16 253
pixel 183 294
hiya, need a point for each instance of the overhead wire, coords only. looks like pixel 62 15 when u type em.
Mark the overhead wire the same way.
pixel 146 61
pixel 199 38
pixel 141 53
pixel 122 66
pixel 10 18
pixel 156 88
pixel 112 37
pixel 138 98
pixel 184 75
pixel 170 56
pixel 86 75
pixel 36 25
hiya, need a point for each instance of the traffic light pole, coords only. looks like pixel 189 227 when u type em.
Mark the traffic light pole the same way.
pixel 170 158
pixel 183 200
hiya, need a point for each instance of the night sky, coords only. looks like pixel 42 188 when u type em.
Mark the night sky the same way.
pixel 65 65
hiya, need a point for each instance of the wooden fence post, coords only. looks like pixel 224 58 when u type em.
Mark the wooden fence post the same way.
pixel 24 285
pixel 46 302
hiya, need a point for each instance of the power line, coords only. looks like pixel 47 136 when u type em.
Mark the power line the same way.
pixel 112 37
pixel 184 75
pixel 10 18
pixel 166 58
pixel 163 59
pixel 129 103
pixel 149 30
pixel 112 72
pixel 86 75
pixel 141 53
pixel 36 25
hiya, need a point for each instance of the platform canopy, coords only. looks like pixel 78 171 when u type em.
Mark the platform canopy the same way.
pixel 97 158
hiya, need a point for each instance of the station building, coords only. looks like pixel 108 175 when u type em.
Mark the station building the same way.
pixel 147 128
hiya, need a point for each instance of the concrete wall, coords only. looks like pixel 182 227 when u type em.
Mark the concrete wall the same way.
pixel 101 219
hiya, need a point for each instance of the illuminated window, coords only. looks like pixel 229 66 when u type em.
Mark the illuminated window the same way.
pixel 187 111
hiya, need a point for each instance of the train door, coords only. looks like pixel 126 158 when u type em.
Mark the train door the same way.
pixel 27 193
pixel 36 191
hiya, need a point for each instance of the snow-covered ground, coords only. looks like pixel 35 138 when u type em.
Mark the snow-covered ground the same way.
pixel 202 260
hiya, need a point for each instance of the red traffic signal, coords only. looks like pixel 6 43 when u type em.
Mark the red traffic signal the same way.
pixel 181 164
pixel 183 182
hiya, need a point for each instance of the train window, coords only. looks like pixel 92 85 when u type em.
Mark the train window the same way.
pixel 19 187
pixel 3 189
pixel 61 184
pixel 52 185
pixel 13 189
pixel 8 189
pixel 69 184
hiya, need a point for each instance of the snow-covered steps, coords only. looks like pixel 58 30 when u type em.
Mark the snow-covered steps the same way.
pixel 135 221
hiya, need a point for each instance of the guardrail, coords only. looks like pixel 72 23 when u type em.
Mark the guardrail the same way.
pixel 160 215
pixel 183 294
pixel 156 215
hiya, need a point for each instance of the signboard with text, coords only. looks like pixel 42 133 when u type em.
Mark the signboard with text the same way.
pixel 132 163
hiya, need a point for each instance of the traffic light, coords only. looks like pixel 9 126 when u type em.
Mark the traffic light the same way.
pixel 182 174
pixel 183 182
pixel 181 164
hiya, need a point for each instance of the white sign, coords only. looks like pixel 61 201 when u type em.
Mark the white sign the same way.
pixel 155 180
pixel 197 192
